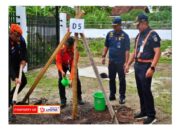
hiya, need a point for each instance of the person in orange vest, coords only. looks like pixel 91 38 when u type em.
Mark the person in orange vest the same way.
pixel 146 56
pixel 17 57
pixel 64 63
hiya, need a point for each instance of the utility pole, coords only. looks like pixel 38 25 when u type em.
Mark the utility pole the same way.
pixel 57 24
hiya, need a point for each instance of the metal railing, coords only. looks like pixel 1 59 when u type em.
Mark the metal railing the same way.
pixel 12 18
pixel 128 24
pixel 41 39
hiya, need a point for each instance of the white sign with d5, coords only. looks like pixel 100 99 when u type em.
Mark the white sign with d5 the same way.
pixel 76 25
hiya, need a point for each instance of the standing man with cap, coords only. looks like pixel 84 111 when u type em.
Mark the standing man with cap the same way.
pixel 65 62
pixel 146 56
pixel 118 44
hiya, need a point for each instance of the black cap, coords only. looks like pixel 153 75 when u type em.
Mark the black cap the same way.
pixel 70 41
pixel 116 21
pixel 141 17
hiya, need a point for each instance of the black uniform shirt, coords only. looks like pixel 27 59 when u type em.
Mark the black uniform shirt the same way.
pixel 152 42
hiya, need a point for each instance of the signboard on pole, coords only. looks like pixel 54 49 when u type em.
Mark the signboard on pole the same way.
pixel 76 25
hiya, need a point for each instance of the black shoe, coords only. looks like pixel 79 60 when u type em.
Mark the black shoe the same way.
pixel 122 101
pixel 12 118
pixel 140 116
pixel 150 120
pixel 111 98
pixel 81 102
pixel 63 104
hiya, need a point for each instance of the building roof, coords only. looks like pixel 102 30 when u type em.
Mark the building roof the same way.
pixel 118 10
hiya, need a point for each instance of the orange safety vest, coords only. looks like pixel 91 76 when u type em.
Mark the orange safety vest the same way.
pixel 66 58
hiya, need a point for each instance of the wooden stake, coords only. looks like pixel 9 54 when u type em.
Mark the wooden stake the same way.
pixel 44 69
pixel 111 110
pixel 74 85
pixel 17 86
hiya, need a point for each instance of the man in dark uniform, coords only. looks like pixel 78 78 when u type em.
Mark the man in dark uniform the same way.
pixel 64 63
pixel 17 57
pixel 146 55
pixel 118 44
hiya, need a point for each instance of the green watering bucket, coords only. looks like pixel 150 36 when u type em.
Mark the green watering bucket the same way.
pixel 65 82
pixel 99 101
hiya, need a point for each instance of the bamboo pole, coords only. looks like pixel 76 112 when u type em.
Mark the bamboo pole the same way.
pixel 74 83
pixel 111 110
pixel 44 69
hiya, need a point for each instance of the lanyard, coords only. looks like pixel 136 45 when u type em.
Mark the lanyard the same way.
pixel 143 45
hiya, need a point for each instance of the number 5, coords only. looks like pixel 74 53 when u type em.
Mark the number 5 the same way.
pixel 79 26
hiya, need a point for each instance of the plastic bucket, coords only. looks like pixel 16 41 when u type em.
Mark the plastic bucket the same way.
pixel 99 101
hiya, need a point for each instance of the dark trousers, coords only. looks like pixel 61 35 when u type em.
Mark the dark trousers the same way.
pixel 114 68
pixel 144 89
pixel 23 84
pixel 62 91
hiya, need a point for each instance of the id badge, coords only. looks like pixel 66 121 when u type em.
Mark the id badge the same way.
pixel 141 49
pixel 119 44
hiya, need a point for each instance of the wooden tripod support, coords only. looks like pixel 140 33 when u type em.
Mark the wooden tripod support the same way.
pixel 44 69
pixel 110 108
pixel 79 14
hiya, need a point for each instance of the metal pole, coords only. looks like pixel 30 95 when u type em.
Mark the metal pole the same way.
pixel 57 25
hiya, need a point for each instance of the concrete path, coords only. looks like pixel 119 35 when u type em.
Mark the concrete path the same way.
pixel 88 71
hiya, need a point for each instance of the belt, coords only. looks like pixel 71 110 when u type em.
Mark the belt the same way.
pixel 144 61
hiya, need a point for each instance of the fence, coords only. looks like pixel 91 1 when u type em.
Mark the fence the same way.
pixel 12 18
pixel 41 39
pixel 127 24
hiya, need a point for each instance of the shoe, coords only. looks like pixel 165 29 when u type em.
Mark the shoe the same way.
pixel 150 120
pixel 63 104
pixel 122 101
pixel 140 116
pixel 12 118
pixel 111 98
pixel 81 102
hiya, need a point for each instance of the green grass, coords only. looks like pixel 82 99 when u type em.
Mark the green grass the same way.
pixel 163 102
pixel 165 44
pixel 131 89
pixel 44 82
pixel 165 60
pixel 96 47
pixel 31 76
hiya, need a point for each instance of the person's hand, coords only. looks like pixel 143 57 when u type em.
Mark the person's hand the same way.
pixel 103 60
pixel 126 68
pixel 63 74
pixel 17 81
pixel 23 63
pixel 149 73
pixel 70 84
